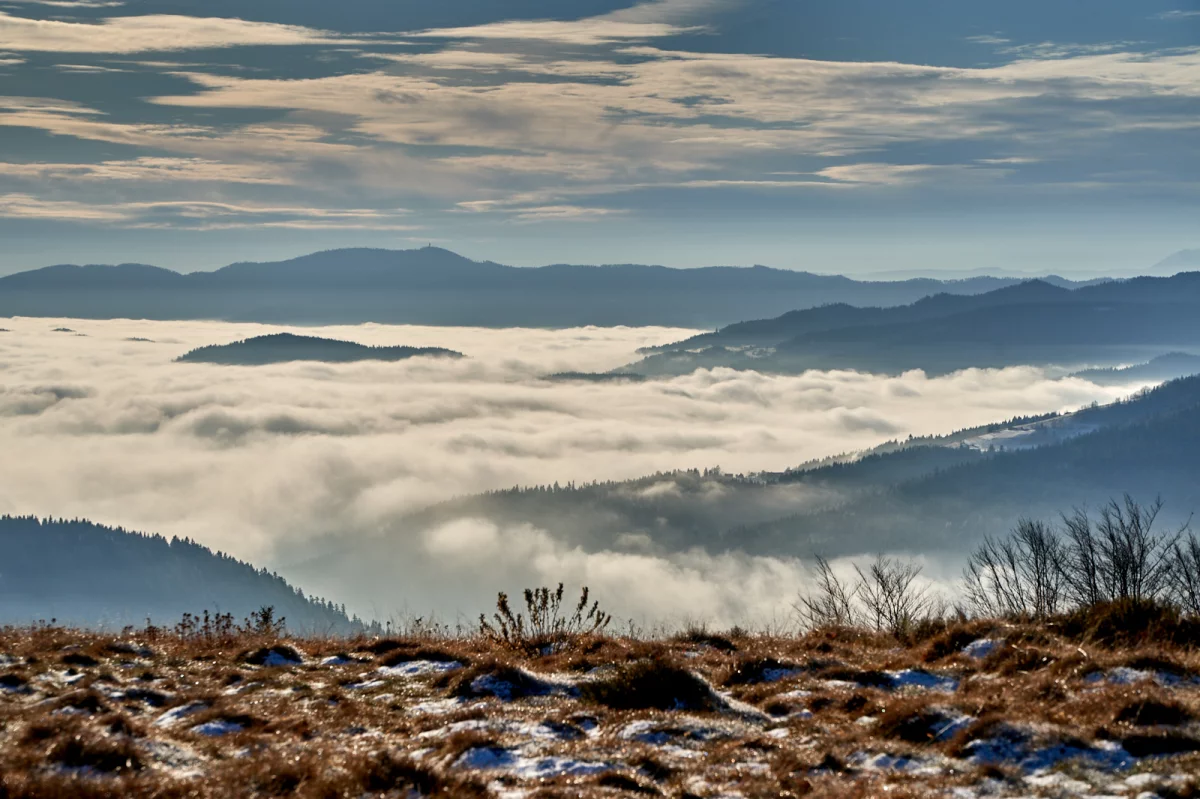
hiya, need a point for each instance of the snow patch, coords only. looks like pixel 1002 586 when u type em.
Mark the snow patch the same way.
pixel 177 714
pixel 918 678
pixel 495 758
pixel 1012 745
pixel 981 648
pixel 419 668
pixel 217 728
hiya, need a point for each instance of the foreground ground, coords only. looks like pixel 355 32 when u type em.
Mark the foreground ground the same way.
pixel 980 709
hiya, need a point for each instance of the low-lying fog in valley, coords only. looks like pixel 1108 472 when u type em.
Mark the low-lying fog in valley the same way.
pixel 265 463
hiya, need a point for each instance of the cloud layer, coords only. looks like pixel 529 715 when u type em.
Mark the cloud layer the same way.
pixel 263 462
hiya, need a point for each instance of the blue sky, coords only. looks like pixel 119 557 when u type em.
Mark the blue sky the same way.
pixel 856 136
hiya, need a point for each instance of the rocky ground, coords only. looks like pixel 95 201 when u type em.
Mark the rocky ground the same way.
pixel 979 709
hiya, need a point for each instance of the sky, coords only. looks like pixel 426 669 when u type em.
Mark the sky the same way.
pixel 267 462
pixel 853 136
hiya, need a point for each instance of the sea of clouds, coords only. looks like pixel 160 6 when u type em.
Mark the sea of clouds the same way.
pixel 98 421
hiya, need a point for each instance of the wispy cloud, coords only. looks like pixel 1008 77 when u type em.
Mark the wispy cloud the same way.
pixel 988 40
pixel 149 33
pixel 879 174
pixel 201 215
pixel 148 168
pixel 592 31
pixel 70 3
pixel 647 20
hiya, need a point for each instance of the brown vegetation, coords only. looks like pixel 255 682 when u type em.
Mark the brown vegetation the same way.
pixel 835 712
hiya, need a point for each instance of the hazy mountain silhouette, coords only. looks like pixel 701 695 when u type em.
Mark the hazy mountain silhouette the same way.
pixel 1029 323
pixel 1164 367
pixel 87 574
pixel 286 347
pixel 436 286
pixel 1179 261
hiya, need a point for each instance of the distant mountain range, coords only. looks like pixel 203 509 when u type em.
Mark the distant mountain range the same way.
pixel 438 287
pixel 286 347
pixel 1181 261
pixel 87 574
pixel 1029 323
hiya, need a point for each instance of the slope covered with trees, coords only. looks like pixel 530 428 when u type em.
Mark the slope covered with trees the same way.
pixel 1032 323
pixel 87 574
pixel 285 347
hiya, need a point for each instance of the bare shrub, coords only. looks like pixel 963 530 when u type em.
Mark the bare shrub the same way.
pixel 1039 571
pixel 546 622
pixel 1118 557
pixel 1020 576
pixel 264 623
pixel 831 604
pixel 1184 574
pixel 893 602
pixel 885 597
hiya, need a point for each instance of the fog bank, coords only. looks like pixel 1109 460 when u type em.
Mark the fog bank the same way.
pixel 260 461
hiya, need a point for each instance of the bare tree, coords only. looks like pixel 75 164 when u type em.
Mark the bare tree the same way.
pixel 1021 575
pixel 831 604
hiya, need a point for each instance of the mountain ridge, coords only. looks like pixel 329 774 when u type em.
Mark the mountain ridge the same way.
pixel 438 287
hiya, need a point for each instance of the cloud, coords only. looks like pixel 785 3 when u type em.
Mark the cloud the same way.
pixel 150 33
pixel 273 463
pixel 147 169
pixel 902 174
pixel 662 114
pixel 72 3
pixel 647 20
pixel 581 115
pixel 988 39
pixel 592 31
pixel 721 589
pixel 201 215
pixel 1177 14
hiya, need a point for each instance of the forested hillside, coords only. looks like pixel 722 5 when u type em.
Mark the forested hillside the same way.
pixel 1032 323
pixel 87 574
pixel 285 347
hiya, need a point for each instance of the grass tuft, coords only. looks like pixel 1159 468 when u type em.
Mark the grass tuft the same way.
pixel 651 685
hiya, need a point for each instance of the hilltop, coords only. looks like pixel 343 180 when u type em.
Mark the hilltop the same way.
pixel 286 347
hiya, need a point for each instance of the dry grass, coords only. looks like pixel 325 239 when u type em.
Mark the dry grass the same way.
pixel 156 715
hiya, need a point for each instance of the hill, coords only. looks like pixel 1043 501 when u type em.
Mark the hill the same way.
pixel 439 287
pixel 1182 260
pixel 87 574
pixel 1030 323
pixel 1164 367
pixel 286 347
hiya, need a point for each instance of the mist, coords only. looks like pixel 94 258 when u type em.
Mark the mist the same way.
pixel 272 463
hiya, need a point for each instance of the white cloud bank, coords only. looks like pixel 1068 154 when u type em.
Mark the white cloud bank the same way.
pixel 259 461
